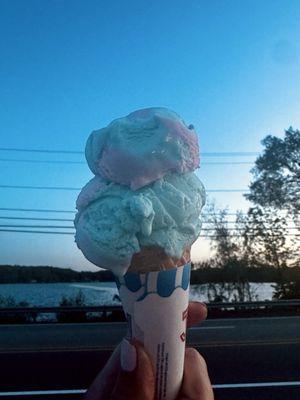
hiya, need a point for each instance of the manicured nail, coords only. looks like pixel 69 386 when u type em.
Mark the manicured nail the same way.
pixel 128 356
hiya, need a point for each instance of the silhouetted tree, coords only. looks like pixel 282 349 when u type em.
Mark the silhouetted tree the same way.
pixel 265 237
pixel 287 290
pixel 277 173
pixel 223 239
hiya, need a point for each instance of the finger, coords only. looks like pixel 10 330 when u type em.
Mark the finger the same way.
pixel 105 382
pixel 196 383
pixel 136 378
pixel 197 313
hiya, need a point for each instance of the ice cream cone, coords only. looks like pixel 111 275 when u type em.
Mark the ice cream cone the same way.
pixel 142 206
pixel 156 259
pixel 154 295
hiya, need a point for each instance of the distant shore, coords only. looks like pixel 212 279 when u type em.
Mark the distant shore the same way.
pixel 48 274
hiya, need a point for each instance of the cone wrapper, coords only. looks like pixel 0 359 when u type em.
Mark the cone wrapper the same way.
pixel 156 307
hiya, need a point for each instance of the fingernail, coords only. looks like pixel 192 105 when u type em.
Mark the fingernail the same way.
pixel 128 356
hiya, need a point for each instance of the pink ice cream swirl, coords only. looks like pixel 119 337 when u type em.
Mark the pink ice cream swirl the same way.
pixel 142 147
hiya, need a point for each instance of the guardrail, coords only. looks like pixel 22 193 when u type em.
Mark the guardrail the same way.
pixel 49 310
pixel 256 304
pixel 109 309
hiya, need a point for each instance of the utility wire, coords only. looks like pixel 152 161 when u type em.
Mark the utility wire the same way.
pixel 241 230
pixel 43 232
pixel 227 163
pixel 38 187
pixel 77 189
pixel 74 211
pixel 72 227
pixel 71 233
pixel 229 154
pixel 84 163
pixel 37 210
pixel 36 226
pixel 36 219
pixel 204 154
pixel 41 161
pixel 41 150
pixel 226 190
pixel 3 217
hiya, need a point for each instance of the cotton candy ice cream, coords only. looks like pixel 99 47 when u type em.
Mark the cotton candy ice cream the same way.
pixel 143 205
pixel 142 147
pixel 114 223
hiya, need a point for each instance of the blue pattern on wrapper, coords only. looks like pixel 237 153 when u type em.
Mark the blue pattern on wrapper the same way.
pixel 132 281
pixel 166 282
pixel 186 276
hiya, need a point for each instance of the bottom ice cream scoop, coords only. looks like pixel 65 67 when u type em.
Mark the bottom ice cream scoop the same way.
pixel 113 223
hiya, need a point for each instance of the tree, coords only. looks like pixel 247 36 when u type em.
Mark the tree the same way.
pixel 287 290
pixel 263 236
pixel 277 173
pixel 222 238
pixel 266 239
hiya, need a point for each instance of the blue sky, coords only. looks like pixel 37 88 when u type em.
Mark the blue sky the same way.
pixel 68 67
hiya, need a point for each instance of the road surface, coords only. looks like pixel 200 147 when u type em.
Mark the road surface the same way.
pixel 250 358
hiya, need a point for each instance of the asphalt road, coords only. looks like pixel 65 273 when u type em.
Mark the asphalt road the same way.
pixel 253 358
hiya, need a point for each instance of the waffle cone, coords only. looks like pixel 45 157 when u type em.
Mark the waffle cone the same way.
pixel 155 259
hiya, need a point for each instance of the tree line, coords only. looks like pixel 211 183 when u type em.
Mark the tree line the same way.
pixel 48 274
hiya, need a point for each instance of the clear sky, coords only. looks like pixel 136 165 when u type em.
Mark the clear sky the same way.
pixel 68 67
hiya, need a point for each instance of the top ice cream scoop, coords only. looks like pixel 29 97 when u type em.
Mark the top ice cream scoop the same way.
pixel 142 147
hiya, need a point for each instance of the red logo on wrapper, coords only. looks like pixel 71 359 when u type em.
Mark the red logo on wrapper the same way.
pixel 182 336
pixel 184 314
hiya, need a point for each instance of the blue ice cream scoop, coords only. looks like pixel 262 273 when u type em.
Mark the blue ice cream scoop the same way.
pixel 113 222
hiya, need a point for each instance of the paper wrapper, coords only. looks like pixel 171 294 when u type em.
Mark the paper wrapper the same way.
pixel 156 308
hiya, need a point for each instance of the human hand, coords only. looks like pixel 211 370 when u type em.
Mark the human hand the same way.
pixel 129 375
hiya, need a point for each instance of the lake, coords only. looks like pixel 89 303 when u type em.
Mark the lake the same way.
pixel 104 293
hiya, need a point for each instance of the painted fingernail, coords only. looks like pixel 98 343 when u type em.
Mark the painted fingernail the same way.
pixel 128 356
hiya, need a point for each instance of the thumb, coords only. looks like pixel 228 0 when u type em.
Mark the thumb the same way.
pixel 136 378
pixel 196 383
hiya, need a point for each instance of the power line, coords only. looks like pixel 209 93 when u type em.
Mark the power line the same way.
pixel 227 163
pixel 226 190
pixel 230 154
pixel 204 154
pixel 36 226
pixel 41 150
pixel 38 187
pixel 77 189
pixel 41 161
pixel 37 210
pixel 255 229
pixel 43 232
pixel 3 217
pixel 71 233
pixel 21 160
pixel 72 227
pixel 74 211
pixel 36 219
